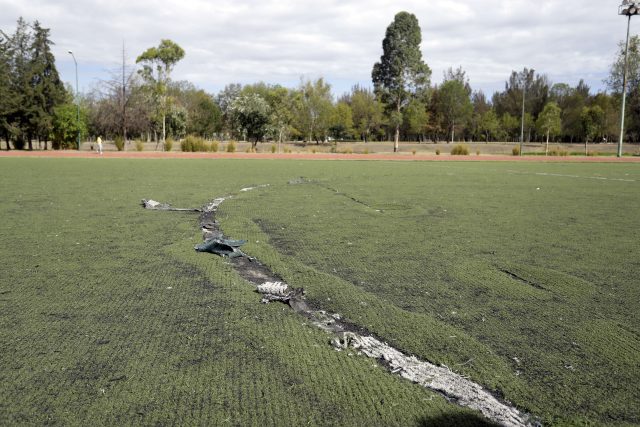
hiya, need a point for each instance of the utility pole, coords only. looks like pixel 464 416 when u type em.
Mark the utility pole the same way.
pixel 524 95
pixel 77 99
pixel 628 8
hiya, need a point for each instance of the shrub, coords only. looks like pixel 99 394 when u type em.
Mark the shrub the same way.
pixel 200 145
pixel 437 151
pixel 460 150
pixel 287 150
pixel 274 148
pixel 558 152
pixel 477 152
pixel 119 141
pixel 414 151
pixel 366 151
pixel 347 150
pixel 515 151
pixel 139 145
pixel 231 147
pixel 168 144
pixel 214 147
pixel 194 144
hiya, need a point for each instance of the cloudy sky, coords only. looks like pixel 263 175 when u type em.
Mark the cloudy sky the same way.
pixel 278 41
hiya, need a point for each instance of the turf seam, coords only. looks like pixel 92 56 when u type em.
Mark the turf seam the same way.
pixel 455 387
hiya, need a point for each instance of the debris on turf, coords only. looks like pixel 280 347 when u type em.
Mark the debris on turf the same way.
pixel 347 336
pixel 153 205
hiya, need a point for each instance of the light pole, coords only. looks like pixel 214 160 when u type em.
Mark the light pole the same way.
pixel 628 8
pixel 77 98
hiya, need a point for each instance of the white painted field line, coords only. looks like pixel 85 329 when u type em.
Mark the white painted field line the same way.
pixel 601 178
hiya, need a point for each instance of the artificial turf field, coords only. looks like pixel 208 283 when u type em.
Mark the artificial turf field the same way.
pixel 523 277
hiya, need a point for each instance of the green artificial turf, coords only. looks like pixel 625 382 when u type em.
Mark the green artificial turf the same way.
pixel 523 277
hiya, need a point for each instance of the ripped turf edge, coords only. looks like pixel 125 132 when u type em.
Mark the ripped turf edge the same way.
pixel 455 387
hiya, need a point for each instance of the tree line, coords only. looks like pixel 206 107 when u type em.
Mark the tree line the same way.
pixel 143 102
pixel 33 99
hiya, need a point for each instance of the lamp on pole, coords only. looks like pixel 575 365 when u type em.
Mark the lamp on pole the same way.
pixel 628 8
pixel 77 98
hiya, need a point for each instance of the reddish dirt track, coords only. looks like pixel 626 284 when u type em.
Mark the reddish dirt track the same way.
pixel 310 156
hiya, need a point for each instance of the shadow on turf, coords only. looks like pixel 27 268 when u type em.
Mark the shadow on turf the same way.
pixel 455 419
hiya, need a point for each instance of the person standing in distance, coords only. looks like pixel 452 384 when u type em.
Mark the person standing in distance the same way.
pixel 99 145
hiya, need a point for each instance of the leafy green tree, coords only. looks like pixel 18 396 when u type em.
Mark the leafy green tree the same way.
pixel 281 106
pixel 341 124
pixel 252 113
pixel 177 121
pixel 510 126
pixel 592 120
pixel 459 75
pixel 401 72
pixel 225 99
pixel 454 105
pixel 367 112
pixel 488 125
pixel 416 119
pixel 480 103
pixel 559 93
pixel 549 122
pixel 203 115
pixel 205 118
pixel 510 100
pixel 611 108
pixel 480 107
pixel 281 103
pixel 65 126
pixel 157 64
pixel 313 109
pixel 572 107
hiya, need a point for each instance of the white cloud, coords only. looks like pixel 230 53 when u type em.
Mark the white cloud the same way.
pixel 278 41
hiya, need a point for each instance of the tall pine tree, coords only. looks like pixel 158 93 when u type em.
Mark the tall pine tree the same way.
pixel 45 89
pixel 18 45
pixel 6 101
pixel 30 87
pixel 401 73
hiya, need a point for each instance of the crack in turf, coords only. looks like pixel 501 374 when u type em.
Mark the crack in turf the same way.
pixel 303 180
pixel 353 199
pixel 522 280
pixel 456 388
